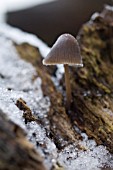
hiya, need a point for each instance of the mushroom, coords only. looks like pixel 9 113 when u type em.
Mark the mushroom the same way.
pixel 65 51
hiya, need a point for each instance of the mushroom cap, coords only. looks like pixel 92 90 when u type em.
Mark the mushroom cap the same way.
pixel 66 50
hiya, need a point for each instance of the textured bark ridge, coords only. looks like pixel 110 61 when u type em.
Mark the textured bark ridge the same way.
pixel 93 84
pixel 15 151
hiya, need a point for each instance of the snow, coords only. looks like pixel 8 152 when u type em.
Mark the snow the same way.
pixel 19 37
pixel 108 7
pixel 11 5
pixel 94 16
pixel 14 5
pixel 17 76
pixel 16 82
pixel 93 158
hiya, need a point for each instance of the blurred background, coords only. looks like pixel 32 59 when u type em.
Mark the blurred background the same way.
pixel 49 18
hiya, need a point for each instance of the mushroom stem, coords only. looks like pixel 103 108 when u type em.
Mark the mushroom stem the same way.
pixel 68 87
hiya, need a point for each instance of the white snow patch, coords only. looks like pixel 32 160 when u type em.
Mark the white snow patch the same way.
pixel 108 7
pixel 19 37
pixel 94 16
pixel 92 157
pixel 17 75
pixel 11 5
pixel 39 107
pixel 7 104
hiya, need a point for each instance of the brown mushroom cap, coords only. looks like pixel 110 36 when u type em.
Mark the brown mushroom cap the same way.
pixel 66 50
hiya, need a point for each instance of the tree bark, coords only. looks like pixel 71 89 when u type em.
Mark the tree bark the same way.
pixel 93 104
pixel 15 151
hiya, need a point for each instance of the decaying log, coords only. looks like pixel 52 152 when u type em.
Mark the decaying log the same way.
pixel 15 151
pixel 92 107
pixel 93 84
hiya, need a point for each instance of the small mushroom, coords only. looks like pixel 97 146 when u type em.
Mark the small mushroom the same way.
pixel 65 51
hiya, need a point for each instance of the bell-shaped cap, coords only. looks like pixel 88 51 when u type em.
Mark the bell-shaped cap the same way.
pixel 66 50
